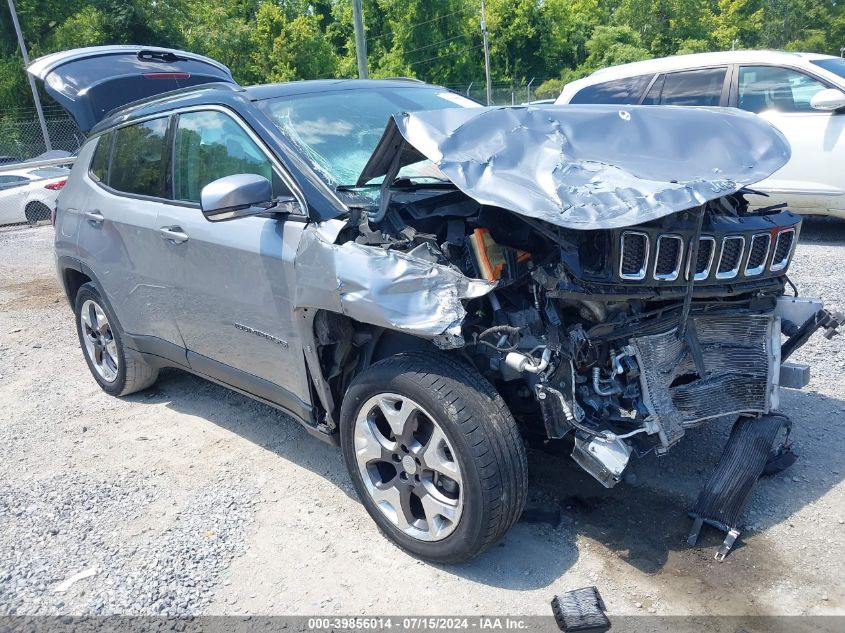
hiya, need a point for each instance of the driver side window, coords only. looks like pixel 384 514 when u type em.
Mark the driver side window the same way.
pixel 764 88
pixel 210 145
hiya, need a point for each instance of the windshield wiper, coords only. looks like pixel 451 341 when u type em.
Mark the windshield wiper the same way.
pixel 356 187
pixel 404 182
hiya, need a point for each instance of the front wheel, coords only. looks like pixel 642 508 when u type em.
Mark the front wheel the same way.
pixel 434 454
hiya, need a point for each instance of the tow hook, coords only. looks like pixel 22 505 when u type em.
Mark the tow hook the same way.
pixel 831 323
pixel 821 320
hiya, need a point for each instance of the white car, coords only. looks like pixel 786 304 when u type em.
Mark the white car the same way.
pixel 802 94
pixel 29 195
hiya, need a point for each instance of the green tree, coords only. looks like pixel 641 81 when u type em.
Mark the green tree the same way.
pixel 663 24
pixel 289 44
pixel 738 22
pixel 611 45
pixel 87 27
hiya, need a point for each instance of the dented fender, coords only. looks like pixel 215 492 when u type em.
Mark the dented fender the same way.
pixel 381 287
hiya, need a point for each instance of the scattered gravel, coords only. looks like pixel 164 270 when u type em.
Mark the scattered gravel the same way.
pixel 70 529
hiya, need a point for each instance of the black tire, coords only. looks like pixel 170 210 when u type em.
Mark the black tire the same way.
pixel 484 438
pixel 133 372
pixel 36 212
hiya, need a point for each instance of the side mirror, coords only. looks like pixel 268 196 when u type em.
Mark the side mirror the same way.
pixel 828 99
pixel 240 196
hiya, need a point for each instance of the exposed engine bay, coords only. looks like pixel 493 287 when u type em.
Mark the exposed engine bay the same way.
pixel 600 333
pixel 623 338
pixel 618 333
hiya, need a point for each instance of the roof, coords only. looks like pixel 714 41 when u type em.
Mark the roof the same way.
pixel 697 60
pixel 217 93
pixel 270 91
pixel 225 93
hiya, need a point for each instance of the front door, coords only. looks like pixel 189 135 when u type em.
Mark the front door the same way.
pixel 812 180
pixel 233 281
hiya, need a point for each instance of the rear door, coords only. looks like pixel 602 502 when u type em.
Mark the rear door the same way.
pixel 812 180
pixel 118 234
pixel 91 82
pixel 13 188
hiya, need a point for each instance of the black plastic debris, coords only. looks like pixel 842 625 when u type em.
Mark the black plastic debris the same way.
pixel 580 610
pixel 779 460
pixel 743 460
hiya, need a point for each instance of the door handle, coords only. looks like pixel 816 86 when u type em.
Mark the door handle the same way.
pixel 94 217
pixel 174 234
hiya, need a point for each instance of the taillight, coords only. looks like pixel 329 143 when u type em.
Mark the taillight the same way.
pixel 55 186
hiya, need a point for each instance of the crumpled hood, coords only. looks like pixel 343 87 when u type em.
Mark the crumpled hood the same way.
pixel 587 166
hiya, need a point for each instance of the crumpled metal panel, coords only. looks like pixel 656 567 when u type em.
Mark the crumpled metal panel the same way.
pixel 381 287
pixel 588 166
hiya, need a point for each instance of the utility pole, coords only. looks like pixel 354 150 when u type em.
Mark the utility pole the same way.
pixel 35 96
pixel 360 40
pixel 486 55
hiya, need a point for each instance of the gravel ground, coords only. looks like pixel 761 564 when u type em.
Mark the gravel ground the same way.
pixel 191 499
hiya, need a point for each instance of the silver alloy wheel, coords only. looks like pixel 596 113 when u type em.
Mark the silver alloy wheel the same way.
pixel 99 340
pixel 408 467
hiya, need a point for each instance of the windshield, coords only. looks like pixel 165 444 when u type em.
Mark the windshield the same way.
pixel 835 65
pixel 337 131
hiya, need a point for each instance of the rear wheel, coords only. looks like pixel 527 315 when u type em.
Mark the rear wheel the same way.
pixel 434 455
pixel 117 369
pixel 36 212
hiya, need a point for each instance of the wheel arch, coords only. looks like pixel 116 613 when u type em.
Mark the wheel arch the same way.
pixel 337 348
pixel 73 276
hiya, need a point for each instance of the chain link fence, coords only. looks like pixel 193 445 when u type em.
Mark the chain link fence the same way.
pixel 501 93
pixel 28 188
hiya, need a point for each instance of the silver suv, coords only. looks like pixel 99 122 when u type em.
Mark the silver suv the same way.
pixel 433 294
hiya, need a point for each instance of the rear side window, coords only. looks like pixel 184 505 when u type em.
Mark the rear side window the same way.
pixel 8 182
pixel 688 88
pixel 211 145
pixel 622 91
pixel 49 172
pixel 100 162
pixel 137 164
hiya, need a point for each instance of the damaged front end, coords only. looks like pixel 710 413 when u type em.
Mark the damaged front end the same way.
pixel 600 267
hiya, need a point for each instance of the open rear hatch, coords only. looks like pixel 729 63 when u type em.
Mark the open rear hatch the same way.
pixel 91 82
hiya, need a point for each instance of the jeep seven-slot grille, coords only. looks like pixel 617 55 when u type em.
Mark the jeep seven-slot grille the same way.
pixel 733 256
pixel 730 257
pixel 783 248
pixel 704 259
pixel 634 255
pixel 757 254
pixel 667 260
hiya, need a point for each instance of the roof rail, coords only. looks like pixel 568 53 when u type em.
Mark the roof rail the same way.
pixel 35 164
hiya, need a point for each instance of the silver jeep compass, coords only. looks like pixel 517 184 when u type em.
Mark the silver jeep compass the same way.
pixel 432 284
